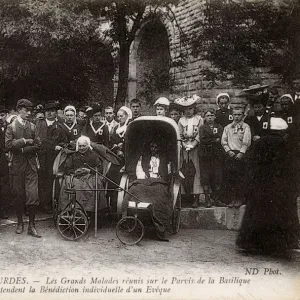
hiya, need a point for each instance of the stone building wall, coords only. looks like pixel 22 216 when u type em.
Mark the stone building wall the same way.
pixel 188 80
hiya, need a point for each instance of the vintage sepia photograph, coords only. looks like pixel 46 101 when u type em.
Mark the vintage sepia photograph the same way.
pixel 150 149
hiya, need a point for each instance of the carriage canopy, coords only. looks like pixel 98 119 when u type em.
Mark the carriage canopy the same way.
pixel 140 132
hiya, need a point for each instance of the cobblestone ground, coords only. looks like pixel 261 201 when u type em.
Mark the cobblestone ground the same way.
pixel 183 268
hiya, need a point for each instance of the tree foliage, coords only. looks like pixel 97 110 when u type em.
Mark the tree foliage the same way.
pixel 53 48
pixel 237 37
pixel 49 51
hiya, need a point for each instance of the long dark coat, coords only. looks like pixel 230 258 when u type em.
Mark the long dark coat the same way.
pixel 271 222
pixel 50 136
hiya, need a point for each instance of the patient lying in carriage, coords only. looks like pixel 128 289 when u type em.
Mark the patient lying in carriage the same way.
pixel 151 186
pixel 81 177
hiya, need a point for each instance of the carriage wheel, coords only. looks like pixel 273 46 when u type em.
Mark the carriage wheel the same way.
pixel 130 230
pixel 72 224
pixel 54 203
pixel 176 215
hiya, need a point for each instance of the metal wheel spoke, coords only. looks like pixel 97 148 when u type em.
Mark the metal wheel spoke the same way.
pixel 66 229
pixel 76 236
pixel 79 219
pixel 68 221
pixel 78 229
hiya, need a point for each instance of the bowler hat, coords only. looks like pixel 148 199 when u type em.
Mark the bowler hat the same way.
pixel 52 105
pixel 3 109
pixel 24 103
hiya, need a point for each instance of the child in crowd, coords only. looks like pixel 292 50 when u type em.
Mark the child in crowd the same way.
pixel 175 112
pixel 236 140
pixel 162 106
pixel 211 158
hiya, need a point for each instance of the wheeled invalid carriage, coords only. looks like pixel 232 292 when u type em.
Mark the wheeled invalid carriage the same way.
pixel 71 219
pixel 137 214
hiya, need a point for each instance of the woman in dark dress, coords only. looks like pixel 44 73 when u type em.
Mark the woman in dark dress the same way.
pixel 124 116
pixel 271 224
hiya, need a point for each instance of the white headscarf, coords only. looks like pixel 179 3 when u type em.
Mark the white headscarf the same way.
pixel 122 129
pixel 222 95
pixel 83 139
pixel 287 96
pixel 70 107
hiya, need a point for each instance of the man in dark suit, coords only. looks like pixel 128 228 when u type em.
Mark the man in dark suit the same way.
pixel 22 142
pixel 110 123
pixel 53 138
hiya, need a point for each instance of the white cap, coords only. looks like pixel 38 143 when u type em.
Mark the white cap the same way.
pixel 70 107
pixel 128 111
pixel 287 96
pixel 162 101
pixel 222 95
pixel 278 124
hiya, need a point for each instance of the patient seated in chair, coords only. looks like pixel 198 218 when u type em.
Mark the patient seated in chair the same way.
pixel 81 178
pixel 151 186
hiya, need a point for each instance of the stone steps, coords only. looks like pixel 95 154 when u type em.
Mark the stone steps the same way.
pixel 212 218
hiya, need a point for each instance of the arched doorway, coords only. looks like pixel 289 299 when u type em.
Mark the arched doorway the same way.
pixel 152 62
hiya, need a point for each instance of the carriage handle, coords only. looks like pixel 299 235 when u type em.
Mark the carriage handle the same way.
pixel 111 181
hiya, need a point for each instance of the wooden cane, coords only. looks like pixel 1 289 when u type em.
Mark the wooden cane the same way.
pixel 96 204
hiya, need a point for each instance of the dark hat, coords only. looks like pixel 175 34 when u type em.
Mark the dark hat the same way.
pixel 3 109
pixel 51 105
pixel 24 103
pixel 96 108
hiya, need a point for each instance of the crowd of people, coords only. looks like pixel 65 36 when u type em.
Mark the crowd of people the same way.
pixel 230 155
